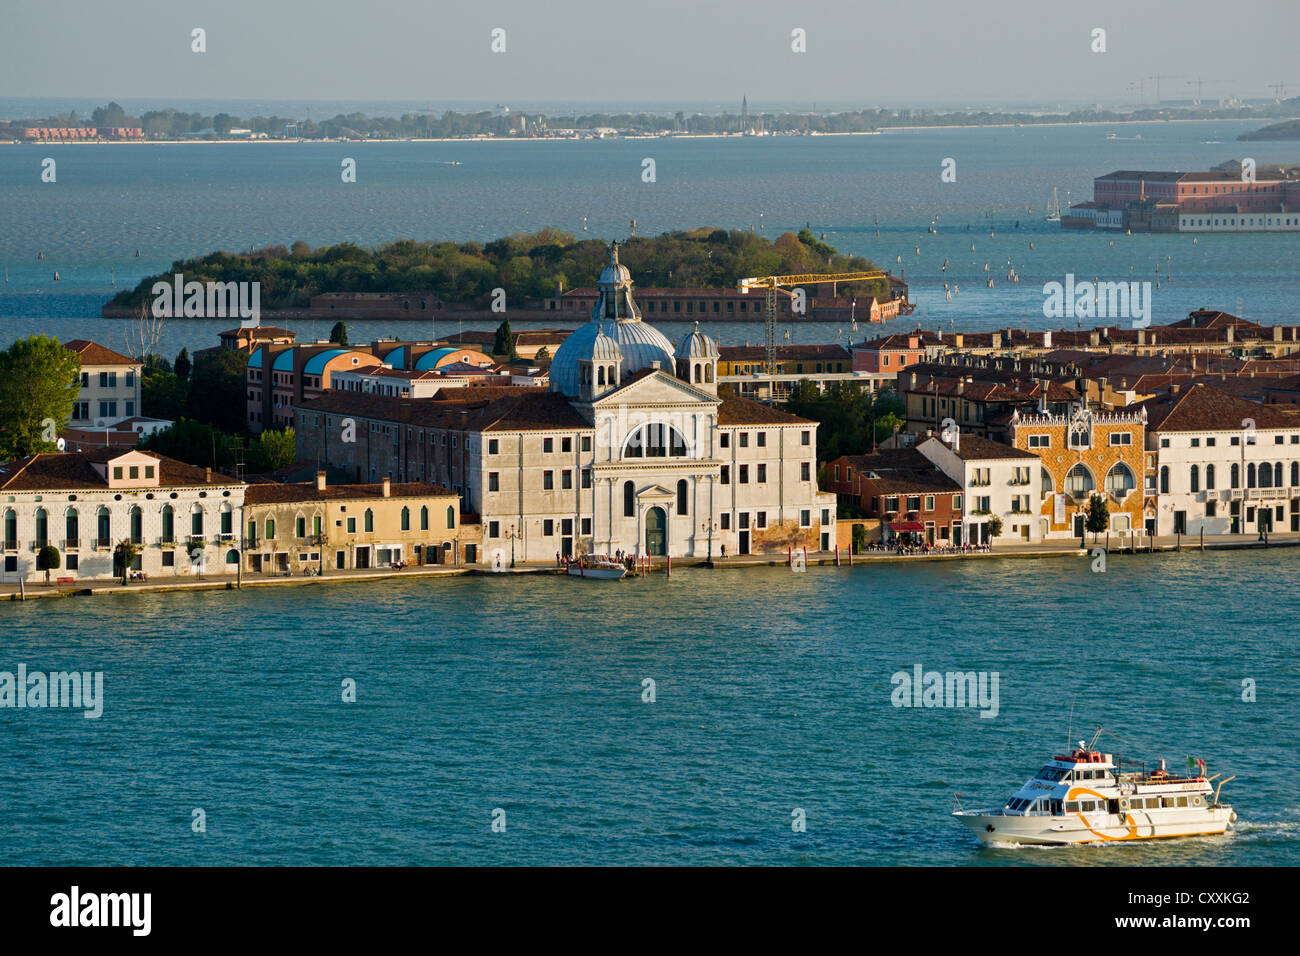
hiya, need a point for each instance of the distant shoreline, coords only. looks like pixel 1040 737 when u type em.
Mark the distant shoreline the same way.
pixel 578 139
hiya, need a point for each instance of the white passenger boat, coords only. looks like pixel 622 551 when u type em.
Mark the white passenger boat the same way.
pixel 601 567
pixel 1087 797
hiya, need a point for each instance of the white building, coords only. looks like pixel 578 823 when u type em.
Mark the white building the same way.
pixel 186 519
pixel 110 386
pixel 1225 465
pixel 660 463
pixel 997 481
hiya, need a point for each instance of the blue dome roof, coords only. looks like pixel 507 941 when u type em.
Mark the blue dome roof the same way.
pixel 283 362
pixel 429 360
pixel 316 364
pixel 255 360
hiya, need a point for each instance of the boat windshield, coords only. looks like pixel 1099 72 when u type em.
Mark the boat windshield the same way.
pixel 1052 774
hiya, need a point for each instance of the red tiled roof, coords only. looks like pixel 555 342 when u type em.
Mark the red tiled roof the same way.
pixel 92 353
pixel 73 470
pixel 261 494
pixel 1206 408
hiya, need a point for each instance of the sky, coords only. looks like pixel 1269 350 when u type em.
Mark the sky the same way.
pixel 858 53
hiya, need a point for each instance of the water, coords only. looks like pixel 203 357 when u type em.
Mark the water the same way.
pixel 175 201
pixel 524 693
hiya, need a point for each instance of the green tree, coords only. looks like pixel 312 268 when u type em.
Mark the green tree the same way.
pixel 995 527
pixel 183 365
pixel 271 451
pixel 124 556
pixel 163 394
pixel 38 384
pixel 48 559
pixel 193 442
pixel 217 390
pixel 339 334
pixel 543 355
pixel 505 342
pixel 1098 519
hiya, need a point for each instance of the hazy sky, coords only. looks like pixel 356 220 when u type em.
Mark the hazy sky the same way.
pixel 860 52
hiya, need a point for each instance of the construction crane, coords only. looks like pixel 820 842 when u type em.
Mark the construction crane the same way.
pixel 772 283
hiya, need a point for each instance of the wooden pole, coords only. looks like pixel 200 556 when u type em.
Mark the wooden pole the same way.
pixel 670 565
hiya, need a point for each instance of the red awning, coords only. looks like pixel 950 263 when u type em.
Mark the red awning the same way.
pixel 906 526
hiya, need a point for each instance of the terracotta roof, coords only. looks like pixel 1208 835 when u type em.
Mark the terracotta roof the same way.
pixel 974 448
pixel 735 410
pixel 1203 408
pixel 274 492
pixel 92 353
pixel 900 341
pixel 73 470
pixel 257 332
pixel 496 408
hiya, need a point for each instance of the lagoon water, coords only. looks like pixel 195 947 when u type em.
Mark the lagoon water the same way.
pixel 525 694
pixel 174 201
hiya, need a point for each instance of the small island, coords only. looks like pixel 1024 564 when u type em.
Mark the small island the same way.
pixel 1288 129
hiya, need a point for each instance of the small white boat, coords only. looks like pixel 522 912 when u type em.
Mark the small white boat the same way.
pixel 1087 797
pixel 1054 208
pixel 600 567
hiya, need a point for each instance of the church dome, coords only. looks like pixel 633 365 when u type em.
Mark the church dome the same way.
pixel 615 332
pixel 696 345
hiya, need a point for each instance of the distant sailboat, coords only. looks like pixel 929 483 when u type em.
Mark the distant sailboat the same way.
pixel 1054 207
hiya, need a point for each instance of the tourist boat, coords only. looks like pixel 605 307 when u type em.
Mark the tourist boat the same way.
pixel 1087 797
pixel 1054 208
pixel 601 567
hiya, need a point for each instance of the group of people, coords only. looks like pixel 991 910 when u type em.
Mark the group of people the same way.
pixel 901 548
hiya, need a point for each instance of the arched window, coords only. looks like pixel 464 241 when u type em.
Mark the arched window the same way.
pixel 42 528
pixel 406 518
pixel 103 530
pixel 1295 473
pixel 1196 478
pixel 681 496
pixel 196 522
pixel 629 500
pixel 600 375
pixel 137 525
pixel 232 556
pixel 1209 477
pixel 424 517
pixel 1277 474
pixel 369 520
pixel 71 527
pixel 168 524
pixel 451 517
pixel 1235 477
pixel 1250 475
pixel 1047 481
pixel 1120 481
pixel 11 530
pixel 708 372
pixel 656 440
pixel 1079 481
pixel 1164 479
pixel 1265 475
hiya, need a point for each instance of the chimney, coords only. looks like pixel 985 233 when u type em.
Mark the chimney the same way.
pixel 387 486
pixel 1277 333
pixel 1094 338
pixel 957 340
pixel 1142 337
pixel 1047 339
pixel 320 481
pixel 997 340
pixel 1231 333
pixel 207 476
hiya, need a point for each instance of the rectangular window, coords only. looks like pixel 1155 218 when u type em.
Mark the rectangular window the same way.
pixel 1196 443
pixel 586 477
pixel 826 516
pixel 548 445
pixel 805 471
pixel 726 521
pixel 494 446
pixel 761 439
pixel 352 526
pixel 956 502
pixel 1209 443
pixel 744 474
pixel 548 480
pixel 929 502
pixel 913 502
pixel 1121 438
pixel 300 528
pixel 566 444
pixel 548 528
pixel 586 526
pixel 762 473
pixel 724 440
pixel 744 439
pixel 726 475
pixel 586 443
pixel 760 520
pixel 566 479
pixel 805 518
pixel 805 438
pixel 494 481
pixel 1164 442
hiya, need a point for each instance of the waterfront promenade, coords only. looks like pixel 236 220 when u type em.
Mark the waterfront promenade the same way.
pixel 30 590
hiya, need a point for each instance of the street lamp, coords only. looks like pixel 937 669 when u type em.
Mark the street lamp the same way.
pixel 709 526
pixel 512 534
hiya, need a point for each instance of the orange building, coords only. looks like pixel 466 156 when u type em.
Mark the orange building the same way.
pixel 1083 454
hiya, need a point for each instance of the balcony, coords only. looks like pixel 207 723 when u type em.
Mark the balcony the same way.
pixel 102 544
pixel 71 544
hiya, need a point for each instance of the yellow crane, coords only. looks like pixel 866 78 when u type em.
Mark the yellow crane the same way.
pixel 772 283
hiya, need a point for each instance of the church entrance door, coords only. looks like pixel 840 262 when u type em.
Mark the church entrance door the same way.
pixel 656 532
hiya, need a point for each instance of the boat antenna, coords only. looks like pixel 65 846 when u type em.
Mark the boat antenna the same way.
pixel 1069 727
pixel 1095 737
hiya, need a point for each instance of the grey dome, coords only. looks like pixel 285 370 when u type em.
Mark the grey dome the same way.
pixel 615 332
pixel 696 345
